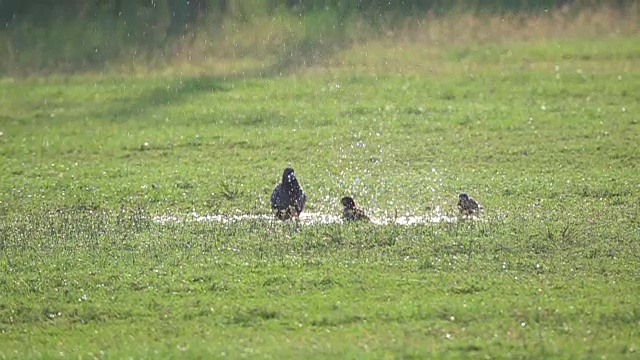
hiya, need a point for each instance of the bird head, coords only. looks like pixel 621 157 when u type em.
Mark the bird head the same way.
pixel 288 176
pixel 463 196
pixel 348 202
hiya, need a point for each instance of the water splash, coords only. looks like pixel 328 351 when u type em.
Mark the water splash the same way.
pixel 307 218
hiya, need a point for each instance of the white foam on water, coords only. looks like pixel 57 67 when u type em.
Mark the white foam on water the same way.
pixel 309 218
pixel 422 219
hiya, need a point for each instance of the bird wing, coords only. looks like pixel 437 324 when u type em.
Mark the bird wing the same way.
pixel 302 199
pixel 278 198
pixel 474 204
pixel 345 213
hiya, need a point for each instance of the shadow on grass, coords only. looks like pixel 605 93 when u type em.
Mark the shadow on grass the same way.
pixel 323 34
pixel 178 91
pixel 160 96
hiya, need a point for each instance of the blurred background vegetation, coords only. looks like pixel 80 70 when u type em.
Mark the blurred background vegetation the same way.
pixel 65 36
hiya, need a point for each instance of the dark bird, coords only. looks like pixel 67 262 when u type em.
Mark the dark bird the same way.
pixel 467 205
pixel 351 212
pixel 287 199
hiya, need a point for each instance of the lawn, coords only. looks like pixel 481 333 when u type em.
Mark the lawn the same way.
pixel 544 132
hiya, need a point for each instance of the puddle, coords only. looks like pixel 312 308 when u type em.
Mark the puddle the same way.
pixel 308 218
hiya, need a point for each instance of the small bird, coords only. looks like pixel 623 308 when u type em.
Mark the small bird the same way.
pixel 288 198
pixel 467 205
pixel 351 212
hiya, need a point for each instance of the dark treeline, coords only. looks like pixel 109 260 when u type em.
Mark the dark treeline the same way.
pixel 184 12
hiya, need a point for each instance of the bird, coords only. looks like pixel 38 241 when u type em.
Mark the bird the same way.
pixel 351 212
pixel 288 198
pixel 467 205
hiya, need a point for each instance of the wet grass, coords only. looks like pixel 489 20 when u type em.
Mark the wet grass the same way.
pixel 545 137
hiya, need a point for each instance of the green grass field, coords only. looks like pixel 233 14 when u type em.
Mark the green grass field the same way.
pixel 543 131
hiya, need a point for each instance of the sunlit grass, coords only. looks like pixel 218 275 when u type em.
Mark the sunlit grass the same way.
pixel 543 132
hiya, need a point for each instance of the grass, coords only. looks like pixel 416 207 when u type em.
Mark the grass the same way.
pixel 542 131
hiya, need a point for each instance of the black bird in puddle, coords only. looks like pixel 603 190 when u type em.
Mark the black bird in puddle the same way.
pixel 288 198
pixel 467 205
pixel 351 212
